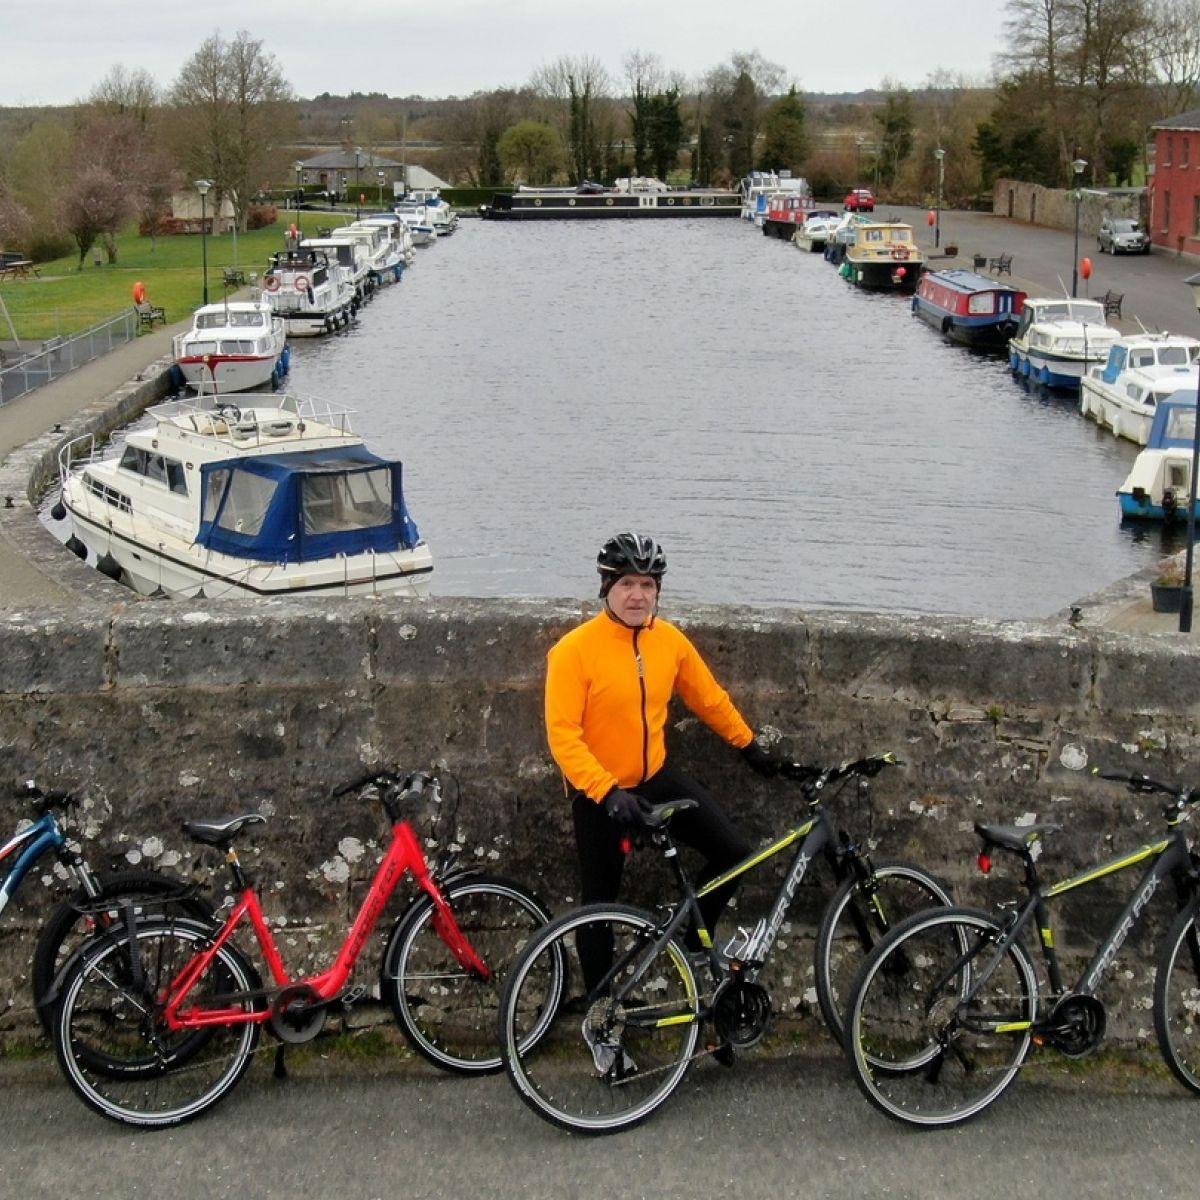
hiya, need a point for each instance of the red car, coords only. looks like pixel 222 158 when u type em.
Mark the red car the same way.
pixel 859 200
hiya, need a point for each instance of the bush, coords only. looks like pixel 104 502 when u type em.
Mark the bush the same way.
pixel 259 216
pixel 45 246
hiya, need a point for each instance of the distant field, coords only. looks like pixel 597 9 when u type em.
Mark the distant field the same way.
pixel 66 300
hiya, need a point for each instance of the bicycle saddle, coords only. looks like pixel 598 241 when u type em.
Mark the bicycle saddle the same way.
pixel 1017 838
pixel 221 833
pixel 660 814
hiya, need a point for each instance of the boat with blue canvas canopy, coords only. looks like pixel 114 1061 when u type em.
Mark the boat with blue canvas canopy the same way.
pixel 1158 485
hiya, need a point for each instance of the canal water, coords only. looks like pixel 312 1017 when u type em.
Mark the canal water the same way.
pixel 789 439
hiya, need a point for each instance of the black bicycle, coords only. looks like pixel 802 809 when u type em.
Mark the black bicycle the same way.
pixel 92 906
pixel 947 1007
pixel 614 1055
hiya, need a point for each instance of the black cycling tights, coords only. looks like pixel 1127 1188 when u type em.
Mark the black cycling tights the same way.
pixel 601 861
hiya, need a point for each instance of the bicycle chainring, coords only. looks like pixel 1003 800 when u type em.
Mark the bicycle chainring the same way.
pixel 1075 1027
pixel 297 1014
pixel 741 1012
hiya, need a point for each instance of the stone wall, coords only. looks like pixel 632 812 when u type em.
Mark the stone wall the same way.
pixel 161 711
pixel 1055 207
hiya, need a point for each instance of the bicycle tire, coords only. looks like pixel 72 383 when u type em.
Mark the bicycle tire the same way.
pixel 449 1017
pixel 606 1062
pixel 150 1077
pixel 931 1044
pixel 1177 999
pixel 67 928
pixel 853 924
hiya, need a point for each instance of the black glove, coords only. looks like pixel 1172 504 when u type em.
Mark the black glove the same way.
pixel 760 760
pixel 627 809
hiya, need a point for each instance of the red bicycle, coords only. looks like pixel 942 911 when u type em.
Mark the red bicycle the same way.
pixel 159 1019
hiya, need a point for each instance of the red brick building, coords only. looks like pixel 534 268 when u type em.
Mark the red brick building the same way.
pixel 1175 185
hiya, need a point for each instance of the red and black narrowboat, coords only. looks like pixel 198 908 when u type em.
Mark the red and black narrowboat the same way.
pixel 969 308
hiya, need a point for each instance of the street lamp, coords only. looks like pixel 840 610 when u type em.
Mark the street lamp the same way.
pixel 379 176
pixel 1077 166
pixel 859 145
pixel 202 186
pixel 1185 596
pixel 298 167
pixel 940 155
pixel 357 182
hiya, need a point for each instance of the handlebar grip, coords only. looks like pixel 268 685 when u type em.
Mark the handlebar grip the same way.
pixel 416 783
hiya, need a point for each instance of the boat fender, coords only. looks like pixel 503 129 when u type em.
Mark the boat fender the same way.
pixel 107 565
pixel 946 324
pixel 278 428
pixel 76 547
pixel 59 510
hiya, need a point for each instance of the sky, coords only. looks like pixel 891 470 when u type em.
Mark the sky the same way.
pixel 56 51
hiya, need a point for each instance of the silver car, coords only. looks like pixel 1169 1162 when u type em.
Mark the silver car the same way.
pixel 1122 235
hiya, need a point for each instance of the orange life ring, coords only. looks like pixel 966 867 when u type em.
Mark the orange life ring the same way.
pixel 139 292
pixel 900 252
pixel 301 283
pixel 293 232
pixel 271 283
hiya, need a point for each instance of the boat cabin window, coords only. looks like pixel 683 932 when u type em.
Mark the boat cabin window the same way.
pixel 336 502
pixel 1177 476
pixel 246 503
pixel 1181 424
pixel 981 302
pixel 149 465
pixel 230 320
pixel 1176 356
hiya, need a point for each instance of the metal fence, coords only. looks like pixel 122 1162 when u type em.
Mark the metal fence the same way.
pixel 59 355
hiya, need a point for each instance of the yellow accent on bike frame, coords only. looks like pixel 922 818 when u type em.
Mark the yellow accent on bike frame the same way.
pixel 682 1019
pixel 705 938
pixel 1048 937
pixel 1108 869
pixel 1013 1027
pixel 762 856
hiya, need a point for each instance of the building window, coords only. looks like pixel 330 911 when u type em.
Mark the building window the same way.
pixel 1183 153
pixel 1196 216
pixel 1170 150
pixel 1166 212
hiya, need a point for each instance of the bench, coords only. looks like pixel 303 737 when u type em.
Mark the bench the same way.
pixel 1001 264
pixel 148 314
pixel 1112 303
pixel 234 277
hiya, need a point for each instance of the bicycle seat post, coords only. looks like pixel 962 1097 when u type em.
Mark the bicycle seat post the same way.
pixel 235 868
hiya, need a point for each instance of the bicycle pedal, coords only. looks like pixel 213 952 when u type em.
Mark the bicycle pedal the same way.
pixel 343 1002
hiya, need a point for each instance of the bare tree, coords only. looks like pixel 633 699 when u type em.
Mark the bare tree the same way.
pixel 94 204
pixel 1172 50
pixel 235 101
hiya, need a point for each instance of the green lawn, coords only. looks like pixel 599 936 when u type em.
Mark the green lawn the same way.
pixel 66 300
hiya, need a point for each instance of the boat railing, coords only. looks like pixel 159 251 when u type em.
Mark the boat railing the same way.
pixel 80 451
pixel 233 418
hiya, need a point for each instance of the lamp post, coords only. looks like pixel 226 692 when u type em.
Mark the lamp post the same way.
pixel 379 176
pixel 298 167
pixel 1077 166
pixel 940 155
pixel 202 186
pixel 1185 597
pixel 859 145
pixel 357 182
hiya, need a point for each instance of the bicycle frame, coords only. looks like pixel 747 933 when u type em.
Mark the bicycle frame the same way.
pixel 43 836
pixel 404 855
pixel 1169 857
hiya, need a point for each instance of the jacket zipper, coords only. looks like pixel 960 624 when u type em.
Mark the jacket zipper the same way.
pixel 641 670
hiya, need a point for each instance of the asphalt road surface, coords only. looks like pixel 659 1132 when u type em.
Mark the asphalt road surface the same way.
pixel 773 1126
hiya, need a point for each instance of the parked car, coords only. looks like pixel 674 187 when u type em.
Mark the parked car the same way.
pixel 1122 235
pixel 859 200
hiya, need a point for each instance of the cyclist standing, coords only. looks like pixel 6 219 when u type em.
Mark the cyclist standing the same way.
pixel 608 686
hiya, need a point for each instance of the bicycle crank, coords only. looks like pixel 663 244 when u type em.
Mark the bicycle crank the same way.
pixel 741 1012
pixel 1075 1026
pixel 297 1014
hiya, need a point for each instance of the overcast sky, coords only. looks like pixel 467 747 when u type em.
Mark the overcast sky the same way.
pixel 55 51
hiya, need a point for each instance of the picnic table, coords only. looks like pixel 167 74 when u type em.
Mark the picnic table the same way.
pixel 20 268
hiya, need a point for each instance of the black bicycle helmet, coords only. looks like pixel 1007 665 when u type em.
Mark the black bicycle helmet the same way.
pixel 630 554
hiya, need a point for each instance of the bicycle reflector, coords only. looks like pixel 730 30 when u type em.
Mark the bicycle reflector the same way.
pixel 985 861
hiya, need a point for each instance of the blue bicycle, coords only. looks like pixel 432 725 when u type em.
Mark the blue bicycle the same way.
pixel 93 903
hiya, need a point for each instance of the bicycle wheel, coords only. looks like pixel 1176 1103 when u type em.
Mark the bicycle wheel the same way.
pixel 68 927
pixel 612 1056
pixel 448 1014
pixel 1177 1000
pixel 937 1023
pixel 856 919
pixel 111 1041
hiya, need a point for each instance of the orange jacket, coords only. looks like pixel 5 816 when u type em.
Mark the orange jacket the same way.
pixel 607 692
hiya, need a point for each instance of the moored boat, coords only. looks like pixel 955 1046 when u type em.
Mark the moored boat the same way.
pixel 222 500
pixel 1058 339
pixel 551 203
pixel 883 256
pixel 1158 485
pixel 308 291
pixel 232 346
pixel 787 211
pixel 817 229
pixel 1142 370
pixel 969 308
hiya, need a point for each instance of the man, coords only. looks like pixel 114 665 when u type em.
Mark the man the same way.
pixel 608 686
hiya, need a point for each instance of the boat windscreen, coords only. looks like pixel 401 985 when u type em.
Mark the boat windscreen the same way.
pixel 336 502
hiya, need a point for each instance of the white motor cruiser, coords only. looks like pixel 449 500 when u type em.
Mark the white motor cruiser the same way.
pixel 233 346
pixel 279 498
pixel 383 257
pixel 308 291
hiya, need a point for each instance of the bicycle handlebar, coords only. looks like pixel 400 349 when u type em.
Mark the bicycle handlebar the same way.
pixel 818 777
pixel 41 799
pixel 1142 784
